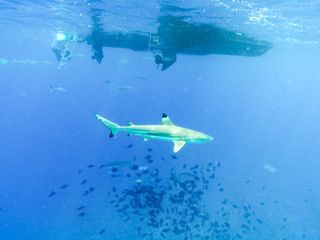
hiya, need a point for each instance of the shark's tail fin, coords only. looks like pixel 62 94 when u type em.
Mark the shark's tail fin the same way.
pixel 114 128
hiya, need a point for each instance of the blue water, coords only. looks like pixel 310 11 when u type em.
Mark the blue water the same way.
pixel 263 113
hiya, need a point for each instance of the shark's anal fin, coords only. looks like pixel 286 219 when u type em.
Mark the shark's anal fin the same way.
pixel 178 145
pixel 166 120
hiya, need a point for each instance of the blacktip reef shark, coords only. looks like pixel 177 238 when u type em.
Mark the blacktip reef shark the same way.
pixel 167 130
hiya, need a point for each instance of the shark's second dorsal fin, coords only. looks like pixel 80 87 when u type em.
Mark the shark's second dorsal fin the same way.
pixel 130 123
pixel 166 120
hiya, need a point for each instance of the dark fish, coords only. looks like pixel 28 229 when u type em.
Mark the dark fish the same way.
pixel 52 194
pixel 148 157
pixel 194 167
pixel 150 150
pixel 85 193
pixel 259 221
pixel 90 166
pixel 141 78
pixel 162 158
pixel 81 208
pixel 128 175
pixel 79 171
pixel 102 166
pixel 102 231
pixel 91 189
pixel 64 186
pixel 135 167
pixel 130 146
pixel 117 164
pixel 84 181
pixel 82 214
pixel 114 189
pixel 173 156
pixel 244 226
pixel 114 169
pixel 225 201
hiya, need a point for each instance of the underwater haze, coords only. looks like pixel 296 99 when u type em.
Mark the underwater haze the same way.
pixel 243 72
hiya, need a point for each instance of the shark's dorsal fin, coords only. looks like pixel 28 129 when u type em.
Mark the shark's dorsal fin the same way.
pixel 130 123
pixel 178 145
pixel 166 120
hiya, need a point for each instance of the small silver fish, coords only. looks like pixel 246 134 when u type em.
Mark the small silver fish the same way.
pixel 57 89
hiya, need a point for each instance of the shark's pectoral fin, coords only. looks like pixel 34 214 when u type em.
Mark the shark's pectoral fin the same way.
pixel 146 139
pixel 178 145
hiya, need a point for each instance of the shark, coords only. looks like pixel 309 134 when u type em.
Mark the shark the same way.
pixel 167 131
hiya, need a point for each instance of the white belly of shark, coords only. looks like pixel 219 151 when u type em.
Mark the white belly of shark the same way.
pixel 167 130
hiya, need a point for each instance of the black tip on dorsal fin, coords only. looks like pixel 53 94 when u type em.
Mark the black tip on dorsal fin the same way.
pixel 164 115
pixel 111 135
